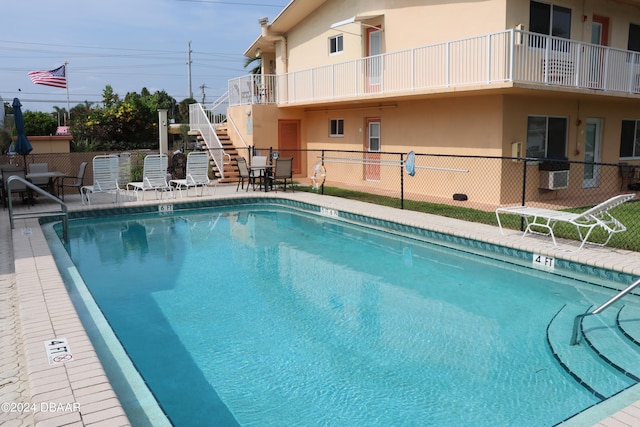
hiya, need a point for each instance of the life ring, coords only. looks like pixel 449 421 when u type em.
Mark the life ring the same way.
pixel 411 163
pixel 319 175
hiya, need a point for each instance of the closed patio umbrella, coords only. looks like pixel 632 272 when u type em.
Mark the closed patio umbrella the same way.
pixel 22 146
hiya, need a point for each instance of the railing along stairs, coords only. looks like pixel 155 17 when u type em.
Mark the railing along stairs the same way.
pixel 39 214
pixel 199 121
pixel 578 318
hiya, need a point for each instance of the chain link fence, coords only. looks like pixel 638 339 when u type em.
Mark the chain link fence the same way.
pixel 472 187
pixel 464 187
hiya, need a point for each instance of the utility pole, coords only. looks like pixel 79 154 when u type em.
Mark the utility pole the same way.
pixel 189 67
pixel 202 88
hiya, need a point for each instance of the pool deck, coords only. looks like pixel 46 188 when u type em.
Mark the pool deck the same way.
pixel 36 308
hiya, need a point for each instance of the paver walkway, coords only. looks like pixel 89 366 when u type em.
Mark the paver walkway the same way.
pixel 14 389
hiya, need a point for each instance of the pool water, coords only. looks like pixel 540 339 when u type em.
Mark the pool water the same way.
pixel 270 317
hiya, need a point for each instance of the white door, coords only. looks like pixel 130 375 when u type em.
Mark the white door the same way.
pixel 592 146
pixel 374 49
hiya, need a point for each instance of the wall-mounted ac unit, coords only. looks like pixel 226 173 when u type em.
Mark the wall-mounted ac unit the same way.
pixel 554 180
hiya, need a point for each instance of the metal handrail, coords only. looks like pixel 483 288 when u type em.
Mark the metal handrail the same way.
pixel 579 317
pixel 63 206
pixel 199 121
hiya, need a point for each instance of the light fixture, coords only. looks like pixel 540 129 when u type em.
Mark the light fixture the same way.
pixel 258 53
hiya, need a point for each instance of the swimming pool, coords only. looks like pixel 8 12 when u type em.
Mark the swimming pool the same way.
pixel 308 320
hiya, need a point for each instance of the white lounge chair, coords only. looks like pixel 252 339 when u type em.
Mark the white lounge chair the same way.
pixel 154 177
pixel 197 173
pixel 585 222
pixel 105 178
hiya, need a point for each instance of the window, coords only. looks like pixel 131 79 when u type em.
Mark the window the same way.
pixel 336 128
pixel 630 138
pixel 547 137
pixel 634 38
pixel 335 44
pixel 550 20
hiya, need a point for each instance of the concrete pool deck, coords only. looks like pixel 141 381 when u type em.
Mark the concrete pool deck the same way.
pixel 35 308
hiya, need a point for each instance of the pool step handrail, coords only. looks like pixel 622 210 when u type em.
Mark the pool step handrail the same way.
pixel 579 317
pixel 62 212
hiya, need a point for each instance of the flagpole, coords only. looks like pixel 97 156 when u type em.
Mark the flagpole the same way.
pixel 66 74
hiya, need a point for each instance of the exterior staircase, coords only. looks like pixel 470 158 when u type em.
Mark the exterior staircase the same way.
pixel 231 173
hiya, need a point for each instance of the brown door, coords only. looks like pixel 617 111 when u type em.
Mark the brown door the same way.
pixel 289 142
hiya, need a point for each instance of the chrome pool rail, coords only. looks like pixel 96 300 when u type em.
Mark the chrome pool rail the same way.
pixel 579 317
pixel 62 212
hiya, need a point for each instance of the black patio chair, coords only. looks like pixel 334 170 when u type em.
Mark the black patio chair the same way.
pixel 72 181
pixel 243 173
pixel 283 171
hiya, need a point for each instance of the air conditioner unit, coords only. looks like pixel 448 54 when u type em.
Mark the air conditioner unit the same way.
pixel 554 180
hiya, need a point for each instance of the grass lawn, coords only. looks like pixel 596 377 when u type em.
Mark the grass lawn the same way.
pixel 627 213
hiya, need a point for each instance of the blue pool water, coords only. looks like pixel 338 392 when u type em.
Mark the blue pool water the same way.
pixel 264 316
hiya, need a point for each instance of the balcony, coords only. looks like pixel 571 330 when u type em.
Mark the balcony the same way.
pixel 492 60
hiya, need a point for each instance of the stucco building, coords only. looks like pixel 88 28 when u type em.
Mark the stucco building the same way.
pixel 494 78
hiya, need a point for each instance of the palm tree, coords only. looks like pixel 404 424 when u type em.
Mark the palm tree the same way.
pixel 60 111
pixel 254 62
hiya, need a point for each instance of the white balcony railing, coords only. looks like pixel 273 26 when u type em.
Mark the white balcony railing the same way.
pixel 508 56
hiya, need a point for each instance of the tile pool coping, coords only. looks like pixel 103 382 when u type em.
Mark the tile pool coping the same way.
pixel 46 310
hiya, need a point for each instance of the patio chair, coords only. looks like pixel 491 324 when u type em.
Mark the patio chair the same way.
pixel 243 173
pixel 283 171
pixel 40 168
pixel 154 177
pixel 585 222
pixel 197 174
pixel 105 178
pixel 71 181
pixel 258 170
pixel 17 187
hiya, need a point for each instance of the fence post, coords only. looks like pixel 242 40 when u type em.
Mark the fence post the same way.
pixel 524 190
pixel 401 182
pixel 322 163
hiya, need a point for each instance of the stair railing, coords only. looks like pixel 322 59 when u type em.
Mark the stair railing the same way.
pixel 579 317
pixel 199 121
pixel 63 208
pixel 237 131
pixel 218 118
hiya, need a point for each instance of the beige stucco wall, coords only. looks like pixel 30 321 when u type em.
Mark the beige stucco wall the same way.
pixel 477 126
pixel 412 23
pixel 50 144
pixel 477 122
pixel 406 24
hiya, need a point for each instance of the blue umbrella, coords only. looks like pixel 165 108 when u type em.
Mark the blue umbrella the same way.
pixel 22 146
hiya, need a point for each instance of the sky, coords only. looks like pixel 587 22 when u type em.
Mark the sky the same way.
pixel 128 44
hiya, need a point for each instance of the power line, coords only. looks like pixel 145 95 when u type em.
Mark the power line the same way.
pixel 233 3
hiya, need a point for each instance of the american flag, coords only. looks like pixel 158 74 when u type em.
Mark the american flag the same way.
pixel 55 78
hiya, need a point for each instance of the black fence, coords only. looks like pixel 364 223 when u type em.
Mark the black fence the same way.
pixel 464 187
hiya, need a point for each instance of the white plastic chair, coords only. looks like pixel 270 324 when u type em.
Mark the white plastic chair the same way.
pixel 197 173
pixel 105 178
pixel 585 222
pixel 154 177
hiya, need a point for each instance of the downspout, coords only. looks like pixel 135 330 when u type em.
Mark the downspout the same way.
pixel 266 35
